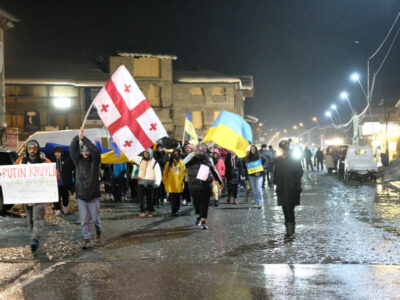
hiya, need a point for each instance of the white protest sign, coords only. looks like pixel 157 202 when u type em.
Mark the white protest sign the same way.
pixel 29 183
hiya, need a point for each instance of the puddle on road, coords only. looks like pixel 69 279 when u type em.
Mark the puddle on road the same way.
pixel 238 251
pixel 150 236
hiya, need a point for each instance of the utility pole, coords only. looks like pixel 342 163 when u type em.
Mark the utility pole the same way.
pixel 6 22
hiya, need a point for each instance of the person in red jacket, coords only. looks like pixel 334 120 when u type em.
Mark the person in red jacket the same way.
pixel 220 166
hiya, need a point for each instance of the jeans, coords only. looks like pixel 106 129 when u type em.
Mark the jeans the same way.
pixel 320 163
pixel 256 187
pixel 35 218
pixel 87 210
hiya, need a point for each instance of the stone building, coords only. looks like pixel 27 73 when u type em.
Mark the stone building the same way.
pixel 46 95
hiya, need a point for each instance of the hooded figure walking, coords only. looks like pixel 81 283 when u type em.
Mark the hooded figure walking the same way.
pixel 87 161
pixel 34 212
pixel 287 178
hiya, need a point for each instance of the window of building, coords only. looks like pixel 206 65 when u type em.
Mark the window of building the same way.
pixel 216 114
pixel 218 91
pixel 197 118
pixel 15 120
pixel 153 95
pixel 196 91
pixel 146 67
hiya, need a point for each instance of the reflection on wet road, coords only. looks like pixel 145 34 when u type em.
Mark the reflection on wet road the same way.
pixel 346 246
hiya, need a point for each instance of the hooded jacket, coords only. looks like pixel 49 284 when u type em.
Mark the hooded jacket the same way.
pixel 234 169
pixel 173 177
pixel 193 164
pixel 219 165
pixel 87 169
pixel 65 167
pixel 24 159
pixel 149 170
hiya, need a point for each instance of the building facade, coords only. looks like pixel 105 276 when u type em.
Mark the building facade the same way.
pixel 53 95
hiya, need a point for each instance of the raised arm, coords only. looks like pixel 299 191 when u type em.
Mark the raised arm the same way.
pixel 74 150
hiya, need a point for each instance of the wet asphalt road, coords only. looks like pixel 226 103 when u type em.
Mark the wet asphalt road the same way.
pixel 346 247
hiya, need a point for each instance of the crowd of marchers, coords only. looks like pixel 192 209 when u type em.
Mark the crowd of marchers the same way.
pixel 187 174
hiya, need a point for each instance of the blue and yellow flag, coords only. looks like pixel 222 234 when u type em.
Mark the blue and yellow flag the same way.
pixel 231 132
pixel 189 129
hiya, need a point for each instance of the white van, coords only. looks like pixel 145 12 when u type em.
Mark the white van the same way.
pixel 360 162
pixel 64 137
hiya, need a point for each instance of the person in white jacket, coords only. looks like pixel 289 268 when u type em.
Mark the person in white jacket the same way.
pixel 149 178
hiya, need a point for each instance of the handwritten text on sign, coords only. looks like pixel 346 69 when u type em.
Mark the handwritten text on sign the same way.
pixel 31 183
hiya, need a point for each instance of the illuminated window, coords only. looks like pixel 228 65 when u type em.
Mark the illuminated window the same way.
pixel 218 91
pixel 196 91
pixel 359 152
pixel 146 67
pixel 153 95
pixel 197 117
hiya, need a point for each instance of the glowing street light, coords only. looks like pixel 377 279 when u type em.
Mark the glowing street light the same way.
pixel 301 124
pixel 334 107
pixel 345 96
pixel 329 114
pixel 314 119
pixel 284 130
pixel 294 127
pixel 355 77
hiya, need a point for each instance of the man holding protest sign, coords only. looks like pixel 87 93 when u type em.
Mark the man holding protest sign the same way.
pixel 87 162
pixel 34 212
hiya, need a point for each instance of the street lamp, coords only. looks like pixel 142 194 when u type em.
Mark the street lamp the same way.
pixel 314 119
pixel 345 96
pixel 334 107
pixel 355 77
pixel 329 114
pixel 294 127
pixel 301 124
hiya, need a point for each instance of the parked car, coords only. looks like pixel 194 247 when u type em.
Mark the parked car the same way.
pixel 332 156
pixel 360 163
pixel 7 157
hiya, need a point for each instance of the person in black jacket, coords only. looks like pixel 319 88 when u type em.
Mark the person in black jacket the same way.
pixel 87 162
pixel 161 156
pixel 65 168
pixel 201 189
pixel 233 172
pixel 287 178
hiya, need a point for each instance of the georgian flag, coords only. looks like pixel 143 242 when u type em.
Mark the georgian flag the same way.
pixel 128 116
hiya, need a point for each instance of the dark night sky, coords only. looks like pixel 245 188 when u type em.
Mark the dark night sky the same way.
pixel 300 52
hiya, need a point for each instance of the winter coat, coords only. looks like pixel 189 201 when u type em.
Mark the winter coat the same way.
pixel 65 167
pixel 193 163
pixel 287 178
pixel 87 170
pixel 161 158
pixel 245 161
pixel 308 154
pixel 149 170
pixel 220 164
pixel 319 155
pixel 173 177
pixel 234 169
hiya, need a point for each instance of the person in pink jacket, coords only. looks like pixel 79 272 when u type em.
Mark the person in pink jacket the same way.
pixel 220 166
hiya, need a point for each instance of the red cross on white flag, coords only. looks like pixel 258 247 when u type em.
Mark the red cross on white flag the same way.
pixel 128 116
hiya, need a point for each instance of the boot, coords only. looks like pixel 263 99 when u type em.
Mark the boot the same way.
pixel 86 244
pixel 34 245
pixel 98 237
pixel 216 203
pixel 291 227
pixel 228 200
pixel 287 234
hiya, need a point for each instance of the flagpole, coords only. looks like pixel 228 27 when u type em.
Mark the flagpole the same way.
pixel 87 114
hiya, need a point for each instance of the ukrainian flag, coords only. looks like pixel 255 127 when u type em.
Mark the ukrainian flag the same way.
pixel 231 132
pixel 189 128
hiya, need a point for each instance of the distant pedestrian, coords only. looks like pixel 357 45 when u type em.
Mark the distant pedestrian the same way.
pixel 201 170
pixel 264 152
pixel 308 157
pixel 271 156
pixel 34 212
pixel 233 172
pixel 119 181
pixel 287 178
pixel 255 178
pixel 65 167
pixel 186 193
pixel 149 178
pixel 173 179
pixel 220 167
pixel 161 156
pixel 87 161
pixel 320 159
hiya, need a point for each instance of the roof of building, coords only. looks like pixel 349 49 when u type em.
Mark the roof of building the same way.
pixel 53 72
pixel 8 16
pixel 198 75
pixel 161 56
